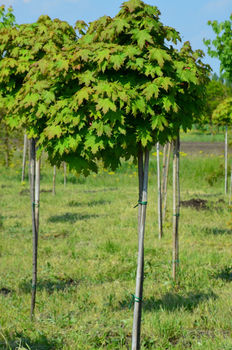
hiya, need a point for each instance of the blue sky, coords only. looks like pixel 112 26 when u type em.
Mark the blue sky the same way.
pixel 189 17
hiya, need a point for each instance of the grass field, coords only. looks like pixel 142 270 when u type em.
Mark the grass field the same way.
pixel 87 262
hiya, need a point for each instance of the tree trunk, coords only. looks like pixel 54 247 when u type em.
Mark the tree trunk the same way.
pixel 164 197
pixel 65 174
pixel 226 160
pixel 176 207
pixel 34 231
pixel 159 193
pixel 24 157
pixel 54 181
pixel 140 264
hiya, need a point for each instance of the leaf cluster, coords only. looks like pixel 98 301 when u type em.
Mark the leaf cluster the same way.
pixel 221 46
pixel 222 115
pixel 98 97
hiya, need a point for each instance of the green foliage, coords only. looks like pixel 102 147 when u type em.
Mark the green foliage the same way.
pixel 119 85
pixel 221 46
pixel 222 115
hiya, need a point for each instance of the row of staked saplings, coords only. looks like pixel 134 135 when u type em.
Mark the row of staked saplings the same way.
pixel 111 94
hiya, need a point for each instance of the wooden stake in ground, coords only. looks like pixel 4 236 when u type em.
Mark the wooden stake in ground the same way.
pixel 54 181
pixel 176 207
pixel 34 230
pixel 226 160
pixel 24 157
pixel 140 264
pixel 159 193
pixel 165 181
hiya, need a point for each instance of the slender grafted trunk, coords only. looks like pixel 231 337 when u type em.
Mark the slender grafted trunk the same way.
pixel 65 174
pixel 230 197
pixel 34 231
pixel 159 193
pixel 24 157
pixel 54 181
pixel 176 207
pixel 226 160
pixel 165 181
pixel 140 264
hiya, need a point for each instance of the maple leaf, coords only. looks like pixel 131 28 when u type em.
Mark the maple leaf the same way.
pixel 120 24
pixel 105 105
pixel 82 94
pixel 53 130
pixel 142 36
pixel 117 61
pixel 151 90
pixel 159 55
pixel 132 5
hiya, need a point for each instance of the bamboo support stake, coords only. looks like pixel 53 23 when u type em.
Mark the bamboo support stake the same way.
pixel 159 193
pixel 7 149
pixel 37 192
pixel 24 157
pixel 54 181
pixel 140 264
pixel 230 197
pixel 34 231
pixel 176 208
pixel 164 168
pixel 65 174
pixel 164 197
pixel 226 160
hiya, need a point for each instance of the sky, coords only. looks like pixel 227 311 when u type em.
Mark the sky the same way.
pixel 188 17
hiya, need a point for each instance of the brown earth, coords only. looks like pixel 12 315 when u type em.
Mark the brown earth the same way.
pixel 203 147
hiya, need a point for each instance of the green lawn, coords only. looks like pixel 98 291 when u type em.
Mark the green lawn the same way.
pixel 87 263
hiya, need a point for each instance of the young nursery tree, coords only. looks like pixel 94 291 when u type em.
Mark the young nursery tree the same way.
pixel 221 47
pixel 21 48
pixel 222 116
pixel 114 94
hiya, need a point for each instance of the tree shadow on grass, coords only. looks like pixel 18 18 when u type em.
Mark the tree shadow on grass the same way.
pixel 173 301
pixel 71 217
pixel 89 204
pixel 50 285
pixel 225 274
pixel 20 341
pixel 217 231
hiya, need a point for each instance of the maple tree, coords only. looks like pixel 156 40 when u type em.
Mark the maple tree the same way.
pixel 113 94
pixel 221 46
pixel 21 47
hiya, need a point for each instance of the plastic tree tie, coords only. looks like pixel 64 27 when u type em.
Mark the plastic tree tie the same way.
pixel 176 261
pixel 135 300
pixel 35 204
pixel 176 215
pixel 140 202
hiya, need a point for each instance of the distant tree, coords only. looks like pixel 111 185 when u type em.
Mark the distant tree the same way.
pixel 221 46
